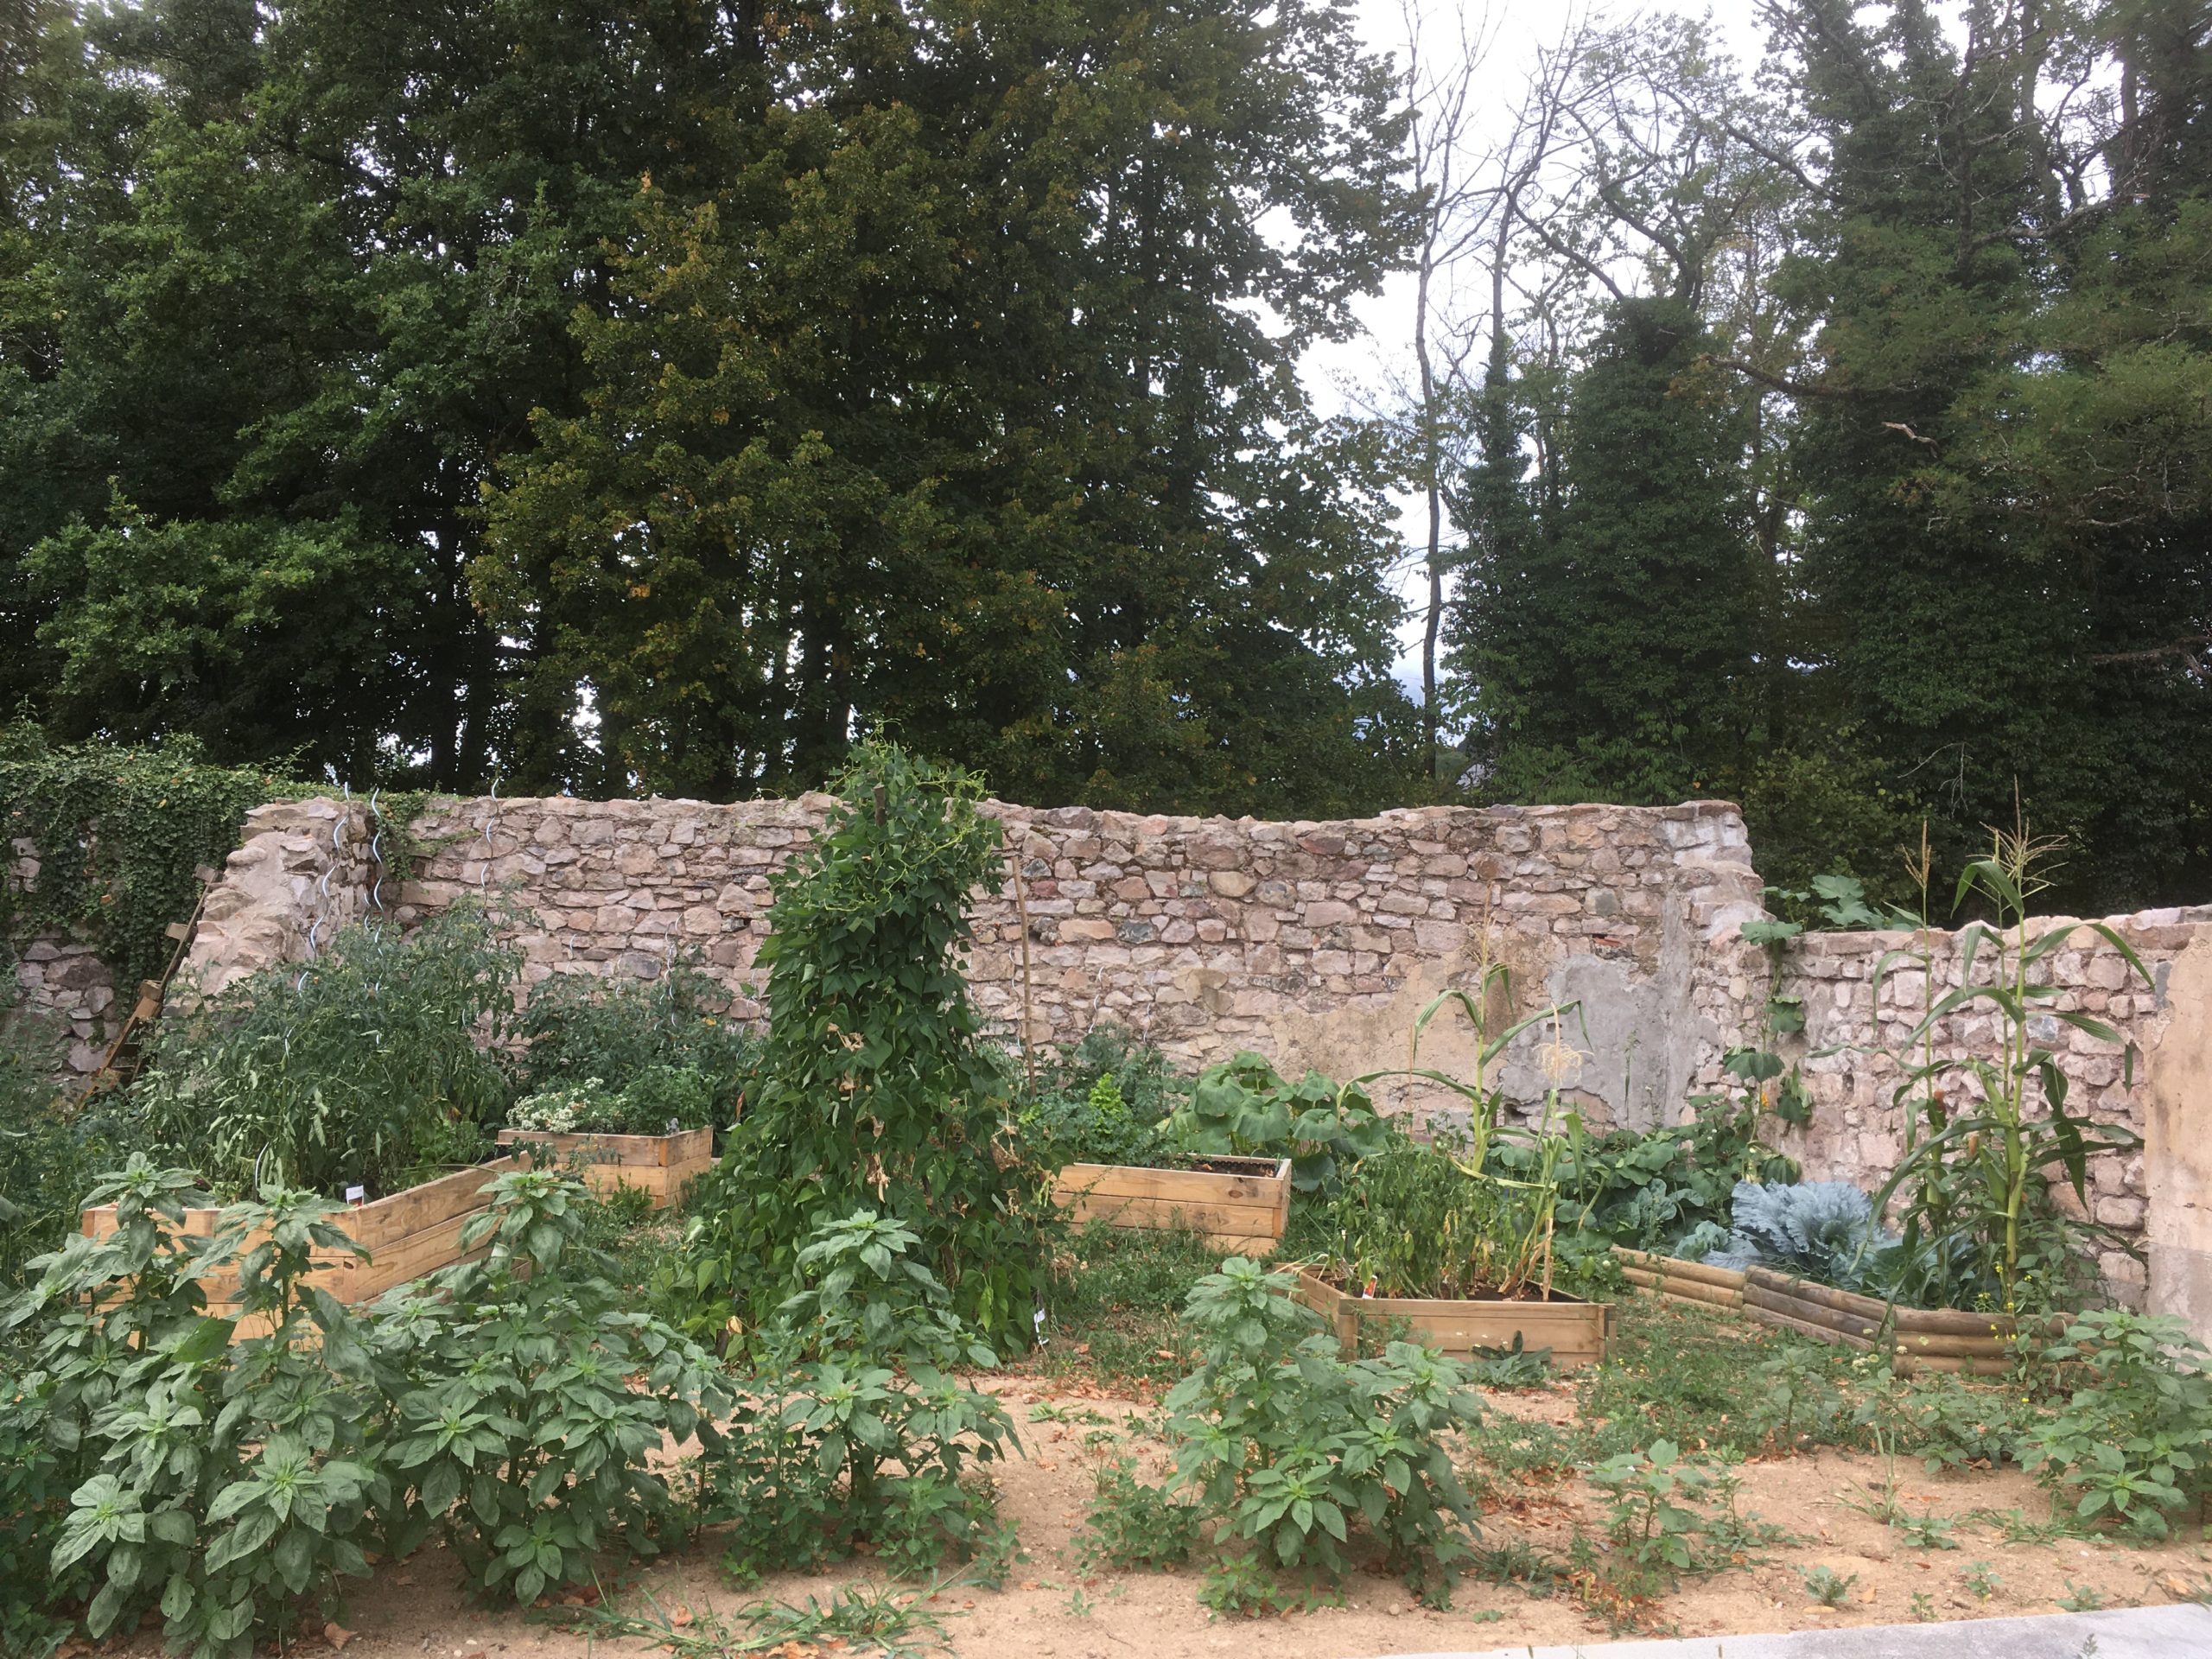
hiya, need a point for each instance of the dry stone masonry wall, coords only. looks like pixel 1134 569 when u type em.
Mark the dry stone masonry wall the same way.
pixel 1854 1052
pixel 1315 942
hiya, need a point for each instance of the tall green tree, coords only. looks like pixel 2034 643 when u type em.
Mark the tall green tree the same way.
pixel 1616 662
pixel 2008 589
pixel 968 406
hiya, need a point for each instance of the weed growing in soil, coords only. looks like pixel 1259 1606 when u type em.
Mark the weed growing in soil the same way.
pixel 2081 1597
pixel 1928 1531
pixel 1981 1579
pixel 1824 1585
pixel 1130 1524
pixel 1692 1377
pixel 898 1624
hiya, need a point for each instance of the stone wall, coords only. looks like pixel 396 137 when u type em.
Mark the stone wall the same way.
pixel 1316 943
pixel 301 870
pixel 68 990
pixel 1854 1054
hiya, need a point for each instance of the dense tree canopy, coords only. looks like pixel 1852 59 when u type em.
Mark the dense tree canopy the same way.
pixel 659 396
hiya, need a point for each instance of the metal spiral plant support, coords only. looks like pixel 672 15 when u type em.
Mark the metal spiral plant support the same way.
pixel 375 857
pixel 322 887
pixel 491 817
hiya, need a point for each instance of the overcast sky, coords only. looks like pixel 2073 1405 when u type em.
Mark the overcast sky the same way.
pixel 1355 372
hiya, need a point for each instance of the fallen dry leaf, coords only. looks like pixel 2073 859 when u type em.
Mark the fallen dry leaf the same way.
pixel 336 1634
pixel 680 1617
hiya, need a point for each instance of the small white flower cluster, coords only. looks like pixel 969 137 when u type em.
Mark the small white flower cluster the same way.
pixel 577 1108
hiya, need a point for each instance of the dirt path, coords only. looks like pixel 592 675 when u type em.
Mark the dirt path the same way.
pixel 1051 1609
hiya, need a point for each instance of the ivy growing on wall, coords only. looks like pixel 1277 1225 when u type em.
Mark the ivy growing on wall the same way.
pixel 117 833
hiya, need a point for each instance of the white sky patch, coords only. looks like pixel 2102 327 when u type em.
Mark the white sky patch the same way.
pixel 1357 375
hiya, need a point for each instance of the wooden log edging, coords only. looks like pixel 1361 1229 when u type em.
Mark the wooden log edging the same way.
pixel 1681 1282
pixel 1917 1339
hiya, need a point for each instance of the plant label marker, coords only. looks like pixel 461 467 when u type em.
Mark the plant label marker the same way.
pixel 357 1196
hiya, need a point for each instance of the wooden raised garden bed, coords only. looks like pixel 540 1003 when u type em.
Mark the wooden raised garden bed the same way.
pixel 1237 1203
pixel 662 1164
pixel 1576 1331
pixel 407 1235
pixel 1918 1339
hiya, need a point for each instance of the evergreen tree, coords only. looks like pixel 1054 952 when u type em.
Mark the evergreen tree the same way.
pixel 1612 662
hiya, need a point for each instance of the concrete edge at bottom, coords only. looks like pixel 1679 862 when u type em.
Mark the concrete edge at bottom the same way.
pixel 2178 1630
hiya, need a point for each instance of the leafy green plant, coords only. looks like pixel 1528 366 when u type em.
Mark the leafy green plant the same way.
pixel 1976 1221
pixel 2133 1438
pixel 360 1067
pixel 666 1046
pixel 1243 1108
pixel 1514 1367
pixel 50 1144
pixel 1826 1587
pixel 858 1379
pixel 1668 1514
pixel 118 833
pixel 1981 1579
pixel 34 1487
pixel 1294 1447
pixel 1669 1188
pixel 2083 1598
pixel 229 1485
pixel 1240 1586
pixel 873 1087
pixel 1131 1524
pixel 1824 1230
pixel 531 1401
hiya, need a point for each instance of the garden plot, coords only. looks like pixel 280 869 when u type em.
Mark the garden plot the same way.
pixel 1054 1606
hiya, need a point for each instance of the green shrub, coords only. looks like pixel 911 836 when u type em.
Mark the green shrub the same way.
pixel 859 1379
pixel 2133 1439
pixel 1293 1448
pixel 664 1047
pixel 1412 1222
pixel 873 1087
pixel 1244 1109
pixel 513 1404
pixel 1101 1101
pixel 361 1066
pixel 229 1486
pixel 660 1099
pixel 520 1438
pixel 50 1144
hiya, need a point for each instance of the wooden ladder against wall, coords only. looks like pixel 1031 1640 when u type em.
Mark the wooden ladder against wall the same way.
pixel 126 1052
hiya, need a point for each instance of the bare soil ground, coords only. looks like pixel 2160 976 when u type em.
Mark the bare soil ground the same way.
pixel 1052 1608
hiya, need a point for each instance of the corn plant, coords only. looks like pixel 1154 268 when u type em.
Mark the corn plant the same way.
pixel 1513 1248
pixel 1979 1160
